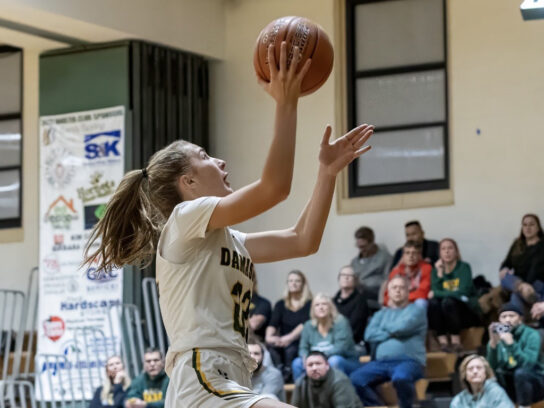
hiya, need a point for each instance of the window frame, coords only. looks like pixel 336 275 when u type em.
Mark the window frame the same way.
pixel 352 75
pixel 15 222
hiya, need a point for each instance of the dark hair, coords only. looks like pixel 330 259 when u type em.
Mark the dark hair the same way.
pixel 413 244
pixel 252 339
pixel 365 233
pixel 128 233
pixel 152 350
pixel 520 244
pixel 317 353
pixel 414 223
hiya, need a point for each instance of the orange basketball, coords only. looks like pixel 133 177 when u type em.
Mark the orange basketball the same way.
pixel 312 41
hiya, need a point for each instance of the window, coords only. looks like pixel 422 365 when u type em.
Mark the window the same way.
pixel 10 136
pixel 397 80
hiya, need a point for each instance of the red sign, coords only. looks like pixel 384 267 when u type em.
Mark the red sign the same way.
pixel 54 328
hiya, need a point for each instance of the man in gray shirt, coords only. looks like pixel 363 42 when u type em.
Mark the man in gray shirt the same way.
pixel 267 379
pixel 323 386
pixel 371 266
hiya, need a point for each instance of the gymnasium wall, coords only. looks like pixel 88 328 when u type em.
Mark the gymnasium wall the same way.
pixel 496 85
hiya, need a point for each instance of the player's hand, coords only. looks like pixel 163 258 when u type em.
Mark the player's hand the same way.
pixel 284 85
pixel 334 156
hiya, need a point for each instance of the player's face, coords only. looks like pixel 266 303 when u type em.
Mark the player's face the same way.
pixel 411 256
pixel 511 318
pixel 347 279
pixel 529 227
pixel 294 283
pixel 475 373
pixel 113 366
pixel 153 363
pixel 414 233
pixel 397 291
pixel 255 352
pixel 208 175
pixel 316 367
pixel 322 309
pixel 448 253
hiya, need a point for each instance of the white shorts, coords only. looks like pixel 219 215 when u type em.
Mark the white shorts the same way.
pixel 208 378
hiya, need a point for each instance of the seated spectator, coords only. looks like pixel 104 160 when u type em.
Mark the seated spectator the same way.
pixel 537 313
pixel 397 336
pixel 267 379
pixel 111 394
pixel 453 304
pixel 414 232
pixel 351 303
pixel 481 388
pixel 260 311
pixel 323 386
pixel 371 265
pixel 149 388
pixel 513 353
pixel 288 318
pixel 522 272
pixel 328 332
pixel 417 271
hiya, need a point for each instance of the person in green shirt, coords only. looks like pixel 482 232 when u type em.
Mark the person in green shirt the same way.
pixel 453 304
pixel 148 390
pixel 514 353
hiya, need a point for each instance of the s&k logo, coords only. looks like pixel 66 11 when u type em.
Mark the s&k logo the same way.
pixel 61 213
pixel 102 145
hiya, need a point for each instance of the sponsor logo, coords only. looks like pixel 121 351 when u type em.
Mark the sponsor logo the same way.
pixel 60 168
pixel 51 264
pixel 102 145
pixel 97 189
pixel 61 213
pixel 100 275
pixel 89 304
pixel 54 328
pixel 93 213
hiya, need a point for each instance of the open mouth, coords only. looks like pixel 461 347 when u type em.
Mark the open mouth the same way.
pixel 225 180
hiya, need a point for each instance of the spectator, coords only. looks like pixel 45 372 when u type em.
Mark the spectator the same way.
pixel 371 265
pixel 414 232
pixel 481 388
pixel 513 353
pixel 288 318
pixel 397 336
pixel 453 304
pixel 323 386
pixel 522 272
pixel 330 333
pixel 351 303
pixel 260 311
pixel 267 380
pixel 416 270
pixel 111 394
pixel 149 388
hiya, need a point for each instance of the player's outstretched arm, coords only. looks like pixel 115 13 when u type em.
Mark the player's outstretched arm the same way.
pixel 275 182
pixel 305 236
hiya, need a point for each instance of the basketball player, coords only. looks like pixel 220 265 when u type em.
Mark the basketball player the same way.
pixel 205 270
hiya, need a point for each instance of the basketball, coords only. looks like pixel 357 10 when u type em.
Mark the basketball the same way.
pixel 312 41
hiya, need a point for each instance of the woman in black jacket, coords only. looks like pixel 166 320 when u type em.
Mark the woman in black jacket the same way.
pixel 111 394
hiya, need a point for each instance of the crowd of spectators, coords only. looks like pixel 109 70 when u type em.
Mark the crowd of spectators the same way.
pixel 386 308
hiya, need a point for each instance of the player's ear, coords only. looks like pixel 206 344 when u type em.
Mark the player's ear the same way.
pixel 185 183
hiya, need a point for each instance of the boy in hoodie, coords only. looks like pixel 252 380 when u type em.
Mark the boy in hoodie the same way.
pixel 148 390
pixel 514 354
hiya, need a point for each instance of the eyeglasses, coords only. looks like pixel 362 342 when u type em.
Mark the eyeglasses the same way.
pixel 347 275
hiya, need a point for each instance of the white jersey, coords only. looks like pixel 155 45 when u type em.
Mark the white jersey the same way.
pixel 205 282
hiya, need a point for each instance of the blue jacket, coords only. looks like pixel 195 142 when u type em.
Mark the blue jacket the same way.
pixel 397 333
pixel 338 341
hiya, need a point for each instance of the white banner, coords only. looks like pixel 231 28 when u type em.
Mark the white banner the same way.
pixel 81 164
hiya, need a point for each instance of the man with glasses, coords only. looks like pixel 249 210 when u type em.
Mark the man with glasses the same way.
pixel 148 390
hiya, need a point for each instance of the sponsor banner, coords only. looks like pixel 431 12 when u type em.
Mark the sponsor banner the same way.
pixel 81 164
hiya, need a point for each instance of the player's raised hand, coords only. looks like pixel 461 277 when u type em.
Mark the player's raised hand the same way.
pixel 285 82
pixel 338 154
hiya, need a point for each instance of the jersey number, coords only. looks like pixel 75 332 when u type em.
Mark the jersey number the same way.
pixel 241 309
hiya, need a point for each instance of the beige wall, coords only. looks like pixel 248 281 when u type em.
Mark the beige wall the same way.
pixel 192 25
pixel 496 85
